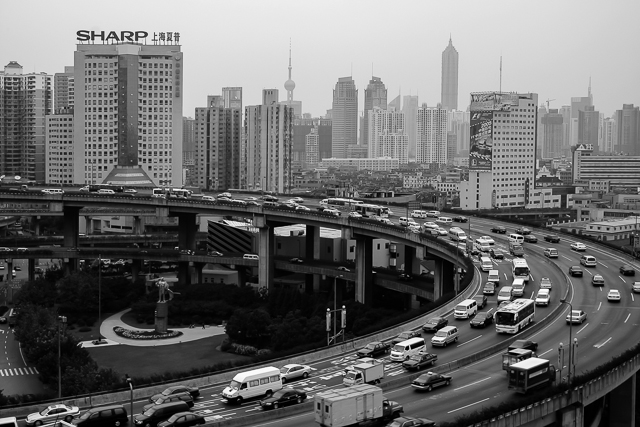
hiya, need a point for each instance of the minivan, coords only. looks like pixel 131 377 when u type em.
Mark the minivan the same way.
pixel 406 221
pixel 517 287
pixel 588 260
pixel 445 220
pixel 505 294
pixel 457 235
pixel 551 253
pixel 419 214
pixel 445 336
pixel 516 238
pixel 251 256
pixel 494 276
pixel 158 413
pixel 53 191
pixel 466 309
pixel 486 264
pixel 103 416
pixel 405 349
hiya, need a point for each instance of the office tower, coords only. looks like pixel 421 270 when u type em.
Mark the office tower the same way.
pixel 627 136
pixel 386 134
pixel 375 95
pixel 452 145
pixel 578 103
pixel 302 128
pixel 395 104
pixel 410 110
pixel 344 116
pixel 542 111
pixel 59 147
pixel 458 123
pixel 268 129
pixel 621 172
pixel 25 100
pixel 501 158
pixel 188 150
pixel 431 137
pixel 312 143
pixel 63 89
pixel 128 114
pixel 552 134
pixel 608 134
pixel 217 148
pixel 588 126
pixel 232 97
pixel 449 91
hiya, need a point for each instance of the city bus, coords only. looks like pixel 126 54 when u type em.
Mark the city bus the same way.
pixel 521 269
pixel 515 316
pixel 339 203
pixel 94 188
pixel 180 193
pixel 372 211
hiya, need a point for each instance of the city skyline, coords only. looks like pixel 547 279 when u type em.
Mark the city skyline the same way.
pixel 556 60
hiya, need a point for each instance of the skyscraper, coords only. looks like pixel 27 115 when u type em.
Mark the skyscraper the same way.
pixel 344 114
pixel 387 137
pixel 232 97
pixel 431 137
pixel 627 136
pixel 268 129
pixel 128 114
pixel 449 95
pixel 552 134
pixel 588 126
pixel 410 110
pixel 63 89
pixel 25 100
pixel 375 96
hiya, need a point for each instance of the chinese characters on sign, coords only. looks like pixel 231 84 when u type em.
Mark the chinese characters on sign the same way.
pixel 160 38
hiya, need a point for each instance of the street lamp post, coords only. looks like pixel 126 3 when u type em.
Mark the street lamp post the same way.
pixel 130 382
pixel 62 321
pixel 99 296
pixel 564 301
pixel 335 303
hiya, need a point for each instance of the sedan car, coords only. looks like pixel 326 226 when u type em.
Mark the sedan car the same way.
pixel 251 198
pixel 481 300
pixel 545 283
pixel 430 380
pixel 214 253
pixel 530 238
pixel 193 391
pixel 420 360
pixel 52 414
pixel 411 422
pixel 130 190
pixel 293 370
pixel 296 260
pixel 523 231
pixel 183 419
pixel 354 215
pixel 635 287
pixel 435 324
pixel 482 319
pixel 403 336
pixel 553 238
pixel 342 268
pixel 405 277
pixel 576 316
pixel 489 288
pixel 441 231
pixel 578 247
pixel 597 280
pixel 283 397
pixel 575 270
pixel 184 397
pixel 373 349
pixel 627 270
pixel 3 320
pixel 496 254
pixel 460 218
pixel 613 295
pixel 524 344
pixel 498 229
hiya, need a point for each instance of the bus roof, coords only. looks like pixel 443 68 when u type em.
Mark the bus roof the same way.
pixel 516 305
pixel 520 262
pixel 530 363
pixel 244 376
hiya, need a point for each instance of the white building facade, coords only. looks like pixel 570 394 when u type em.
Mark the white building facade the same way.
pixel 431 135
pixel 387 135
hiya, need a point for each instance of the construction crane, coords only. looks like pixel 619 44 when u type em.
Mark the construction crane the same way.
pixel 548 101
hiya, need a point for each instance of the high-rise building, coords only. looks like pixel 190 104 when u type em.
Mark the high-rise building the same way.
pixel 268 129
pixel 217 148
pixel 449 90
pixel 63 89
pixel 128 114
pixel 565 111
pixel 552 134
pixel 452 145
pixel 627 136
pixel 502 156
pixel 344 116
pixel 59 147
pixel 375 96
pixel 387 137
pixel 622 172
pixel 312 143
pixel 395 104
pixel 302 127
pixel 232 97
pixel 608 134
pixel 588 126
pixel 431 137
pixel 410 110
pixel 25 100
pixel 188 150
pixel 458 123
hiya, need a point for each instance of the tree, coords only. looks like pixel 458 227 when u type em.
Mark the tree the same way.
pixel 249 326
pixel 38 292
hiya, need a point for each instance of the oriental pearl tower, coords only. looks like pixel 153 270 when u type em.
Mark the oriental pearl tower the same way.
pixel 289 85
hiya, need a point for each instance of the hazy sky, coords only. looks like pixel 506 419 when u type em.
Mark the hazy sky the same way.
pixel 550 47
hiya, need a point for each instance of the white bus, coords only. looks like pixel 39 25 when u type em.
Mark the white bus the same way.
pixel 159 192
pixel 515 316
pixel 521 269
pixel 339 203
pixel 372 211
pixel 180 193
pixel 258 382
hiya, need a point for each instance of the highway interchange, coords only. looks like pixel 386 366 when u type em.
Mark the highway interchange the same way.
pixel 610 328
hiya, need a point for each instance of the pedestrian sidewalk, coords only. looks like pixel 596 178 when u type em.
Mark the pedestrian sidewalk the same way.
pixel 111 338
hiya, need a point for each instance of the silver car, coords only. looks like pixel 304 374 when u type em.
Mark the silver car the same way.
pixel 51 414
pixel 293 371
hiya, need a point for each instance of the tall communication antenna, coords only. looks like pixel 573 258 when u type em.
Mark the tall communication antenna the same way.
pixel 500 74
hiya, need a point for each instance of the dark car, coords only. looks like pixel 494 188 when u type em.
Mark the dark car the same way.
pixel 530 238
pixel 418 361
pixel 103 416
pixel 575 270
pixel 482 319
pixel 183 419
pixel 158 413
pixel 523 231
pixel 193 391
pixel 373 349
pixel 430 380
pixel 283 397
pixel 496 254
pixel 296 260
pixel 460 219
pixel 405 277
pixel 489 288
pixel 435 324
pixel 481 300
pixel 553 238
pixel 627 270
pixel 498 229
pixel 406 335
pixel 184 396
pixel 411 422
pixel 524 344
pixel 215 253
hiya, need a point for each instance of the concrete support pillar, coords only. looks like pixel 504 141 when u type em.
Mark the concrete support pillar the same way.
pixel 87 225
pixel 443 278
pixel 187 229
pixel 136 268
pixel 137 225
pixel 265 252
pixel 71 235
pixel 184 278
pixel 573 416
pixel 36 225
pixel 409 259
pixel 622 401
pixel 198 267
pixel 411 302
pixel 364 270
pixel 312 242
pixel 31 269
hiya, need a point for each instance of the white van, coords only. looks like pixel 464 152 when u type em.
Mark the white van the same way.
pixel 404 350
pixel 457 235
pixel 505 294
pixel 485 263
pixel 517 288
pixel 53 191
pixel 8 422
pixel 258 382
pixel 407 222
pixel 483 245
pixel 494 276
pixel 445 336
pixel 444 220
pixel 418 214
pixel 208 199
pixel 516 238
pixel 466 309
pixel 251 256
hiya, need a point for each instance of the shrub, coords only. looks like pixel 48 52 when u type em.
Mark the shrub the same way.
pixel 84 329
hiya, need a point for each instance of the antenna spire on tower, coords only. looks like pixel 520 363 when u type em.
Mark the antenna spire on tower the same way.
pixel 500 74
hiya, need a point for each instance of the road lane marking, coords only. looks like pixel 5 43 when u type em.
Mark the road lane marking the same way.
pixel 600 345
pixel 471 404
pixel 542 354
pixel 566 257
pixel 628 315
pixel 600 303
pixel 467 342
pixel 582 329
pixel 470 384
